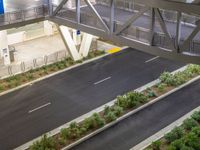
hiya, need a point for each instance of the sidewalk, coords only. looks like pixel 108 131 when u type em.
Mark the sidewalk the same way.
pixel 38 48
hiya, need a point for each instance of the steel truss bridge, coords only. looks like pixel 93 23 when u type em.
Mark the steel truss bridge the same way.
pixel 165 28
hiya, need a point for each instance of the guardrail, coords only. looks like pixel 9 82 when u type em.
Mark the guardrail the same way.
pixel 23 15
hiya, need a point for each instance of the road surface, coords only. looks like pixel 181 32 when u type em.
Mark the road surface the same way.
pixel 28 113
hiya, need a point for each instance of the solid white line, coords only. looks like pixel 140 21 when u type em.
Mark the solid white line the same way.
pixel 152 59
pixel 102 80
pixel 30 111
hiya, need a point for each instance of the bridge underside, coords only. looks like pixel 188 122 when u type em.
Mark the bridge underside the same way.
pixel 163 28
pixel 160 27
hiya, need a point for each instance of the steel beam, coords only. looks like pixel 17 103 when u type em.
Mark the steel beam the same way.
pixel 112 16
pixel 191 37
pixel 178 31
pixel 145 47
pixel 132 20
pixel 78 16
pixel 152 27
pixel 169 5
pixel 163 27
pixel 59 7
pixel 97 15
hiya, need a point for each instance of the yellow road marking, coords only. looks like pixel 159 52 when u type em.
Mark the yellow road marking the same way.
pixel 114 50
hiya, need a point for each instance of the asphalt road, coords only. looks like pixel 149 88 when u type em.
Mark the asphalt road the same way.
pixel 28 113
pixel 147 122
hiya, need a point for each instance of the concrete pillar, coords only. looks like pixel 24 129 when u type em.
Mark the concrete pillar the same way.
pixel 4 47
pixel 85 44
pixel 48 28
pixel 69 43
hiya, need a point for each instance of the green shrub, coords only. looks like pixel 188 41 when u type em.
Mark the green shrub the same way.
pixel 117 110
pixel 175 134
pixel 95 121
pixel 135 98
pixel 196 116
pixel 122 101
pixel 107 109
pixel 167 78
pixel 196 130
pixel 98 120
pixel 194 69
pixel 74 130
pixel 177 145
pixel 156 145
pixel 65 133
pixel 110 116
pixel 192 140
pixel 173 80
pixel 2 88
pixel 161 87
pixel 46 143
pixel 88 123
pixel 189 123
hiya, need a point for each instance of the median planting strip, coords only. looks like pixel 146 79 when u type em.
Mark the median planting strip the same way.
pixel 18 81
pixel 184 136
pixel 122 107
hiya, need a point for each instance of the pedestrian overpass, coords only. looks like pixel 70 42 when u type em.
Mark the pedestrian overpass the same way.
pixel 165 28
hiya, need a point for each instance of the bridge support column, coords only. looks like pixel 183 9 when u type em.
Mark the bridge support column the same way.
pixel 4 50
pixel 86 41
pixel 48 28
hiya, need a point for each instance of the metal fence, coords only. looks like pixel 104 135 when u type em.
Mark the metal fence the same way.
pixel 13 69
pixel 23 15
pixel 168 15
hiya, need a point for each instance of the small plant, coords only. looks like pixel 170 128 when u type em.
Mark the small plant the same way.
pixel 29 76
pixel 110 116
pixel 150 93
pixel 1 88
pixel 189 123
pixel 196 116
pixel 46 143
pixel 98 120
pixel 175 134
pixel 122 101
pixel 135 99
pixel 107 109
pixel 117 110
pixel 156 145
pixel 161 87
pixel 65 133
pixel 196 130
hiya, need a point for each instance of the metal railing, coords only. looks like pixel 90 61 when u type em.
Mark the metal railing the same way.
pixel 168 15
pixel 13 69
pixel 23 15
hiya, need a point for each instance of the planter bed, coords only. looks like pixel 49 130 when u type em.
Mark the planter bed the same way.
pixel 124 104
pixel 185 137
pixel 20 79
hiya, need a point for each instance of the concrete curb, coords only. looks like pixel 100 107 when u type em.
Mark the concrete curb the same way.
pixel 99 109
pixel 144 144
pixel 52 74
